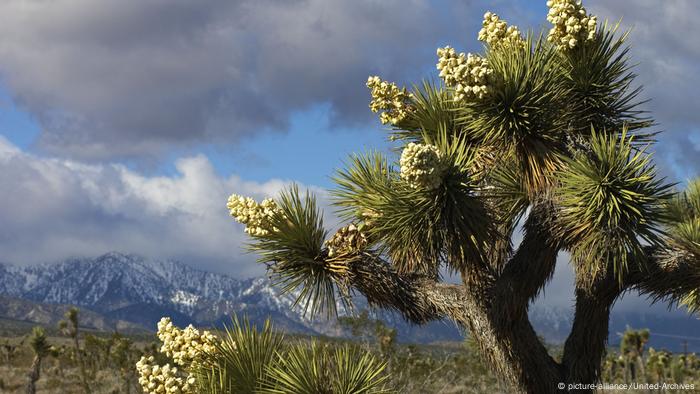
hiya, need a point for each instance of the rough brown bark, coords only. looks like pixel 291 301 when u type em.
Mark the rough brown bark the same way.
pixel 493 307
pixel 584 349
pixel 34 375
pixel 509 344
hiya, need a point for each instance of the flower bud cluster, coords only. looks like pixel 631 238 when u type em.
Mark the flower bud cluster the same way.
pixel 156 379
pixel 255 216
pixel 571 23
pixel 467 74
pixel 388 98
pixel 496 31
pixel 184 346
pixel 369 216
pixel 347 239
pixel 421 166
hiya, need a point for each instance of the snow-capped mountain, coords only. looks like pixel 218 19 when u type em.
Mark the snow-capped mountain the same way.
pixel 123 290
pixel 130 288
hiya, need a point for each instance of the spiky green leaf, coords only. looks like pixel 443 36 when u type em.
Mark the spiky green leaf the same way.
pixel 611 201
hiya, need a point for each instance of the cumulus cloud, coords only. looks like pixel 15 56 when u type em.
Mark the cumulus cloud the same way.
pixel 51 209
pixel 664 46
pixel 114 79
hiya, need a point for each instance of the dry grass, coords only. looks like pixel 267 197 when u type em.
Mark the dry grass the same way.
pixel 58 375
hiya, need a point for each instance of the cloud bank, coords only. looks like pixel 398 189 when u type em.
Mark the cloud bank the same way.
pixel 110 80
pixel 115 79
pixel 663 40
pixel 52 208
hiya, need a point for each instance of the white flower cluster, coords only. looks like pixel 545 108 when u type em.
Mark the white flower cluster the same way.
pixel 468 74
pixel 347 239
pixel 184 346
pixel 387 97
pixel 571 23
pixel 421 166
pixel 496 31
pixel 156 379
pixel 255 216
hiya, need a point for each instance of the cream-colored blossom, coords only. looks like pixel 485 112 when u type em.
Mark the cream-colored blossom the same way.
pixel 467 74
pixel 184 346
pixel 347 239
pixel 156 379
pixel 571 23
pixel 496 31
pixel 387 98
pixel 255 216
pixel 369 216
pixel 421 166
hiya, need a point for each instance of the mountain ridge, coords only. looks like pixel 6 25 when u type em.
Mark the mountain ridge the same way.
pixel 133 291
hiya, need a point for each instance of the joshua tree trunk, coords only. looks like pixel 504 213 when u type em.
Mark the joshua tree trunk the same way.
pixel 34 375
pixel 81 364
pixel 492 305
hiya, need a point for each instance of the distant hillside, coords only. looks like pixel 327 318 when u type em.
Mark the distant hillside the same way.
pixel 128 292
pixel 127 288
pixel 19 310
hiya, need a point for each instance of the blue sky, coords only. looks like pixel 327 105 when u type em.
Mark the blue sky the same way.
pixel 125 125
pixel 309 145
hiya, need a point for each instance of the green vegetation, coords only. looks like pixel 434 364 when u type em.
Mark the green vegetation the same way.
pixel 70 361
pixel 259 359
pixel 543 129
pixel 41 348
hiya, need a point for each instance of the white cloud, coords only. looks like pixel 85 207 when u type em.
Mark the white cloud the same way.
pixel 52 208
pixel 114 79
pixel 664 45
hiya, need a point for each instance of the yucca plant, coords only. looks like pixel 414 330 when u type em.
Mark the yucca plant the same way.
pixel 241 359
pixel 546 130
pixel 252 360
pixel 315 368
pixel 70 326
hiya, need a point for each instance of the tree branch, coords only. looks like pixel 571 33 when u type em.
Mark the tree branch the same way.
pixel 418 298
pixel 509 343
pixel 532 265
pixel 586 344
pixel 668 274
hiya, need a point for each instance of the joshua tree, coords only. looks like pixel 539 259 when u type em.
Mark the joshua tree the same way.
pixel 40 348
pixel 658 364
pixel 542 133
pixel 123 356
pixel 11 349
pixel 632 349
pixel 71 328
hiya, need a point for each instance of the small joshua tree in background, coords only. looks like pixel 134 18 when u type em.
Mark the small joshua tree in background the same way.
pixel 371 330
pixel 70 327
pixel 10 349
pixel 122 355
pixel 632 352
pixel 41 348
pixel 544 130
